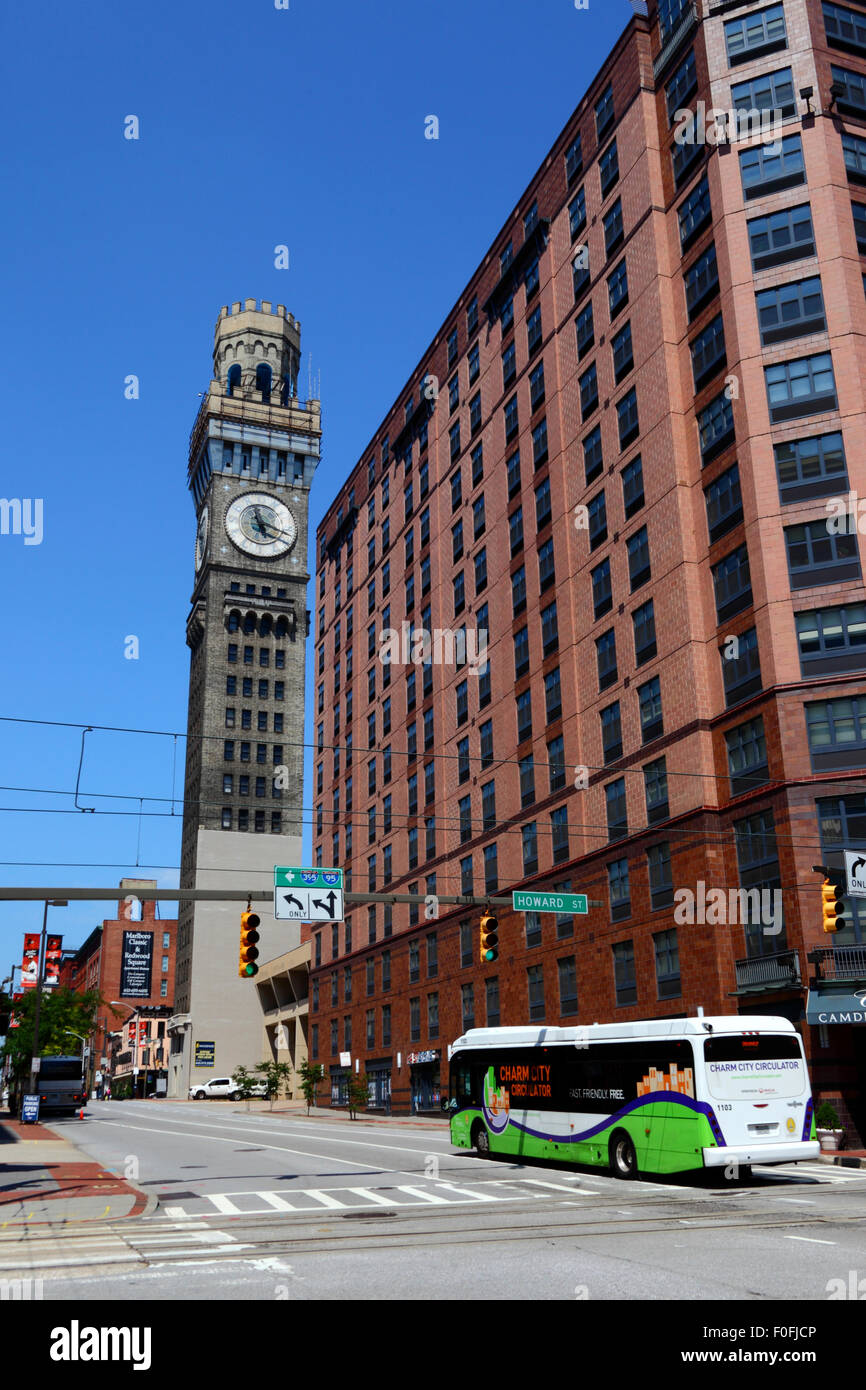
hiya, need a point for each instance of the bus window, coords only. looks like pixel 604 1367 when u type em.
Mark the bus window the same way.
pixel 463 1089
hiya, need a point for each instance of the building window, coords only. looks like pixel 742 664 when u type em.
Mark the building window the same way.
pixel 681 86
pixel 767 168
pixel 773 91
pixel 602 599
pixel 803 386
pixel 625 980
pixel 597 520
pixel 701 281
pixel 638 558
pixel 667 959
pixel 656 790
pixel 593 461
pixel 577 213
pixel 567 971
pixel 836 731
pixel 533 330
pixel 491 869
pixel 832 639
pixel 617 289
pixel 605 647
pixel 716 427
pixel 780 237
pixel 643 621
pixel 518 590
pixel 611 732
pixel 604 112
pixel 660 879
pixel 818 556
pixel 618 889
pixel 535 991
pixel 741 667
pixel 486 741
pixel 732 584
pixel 623 355
pixel 556 763
pixel 608 169
pixel 747 756
pixel 791 311
pixel 853 94
pixel 617 818
pixel 708 353
pixel 588 385
pixel 694 212
pixel 574 160
pixel 613 228
pixel 724 503
pixel 650 706
pixel 549 629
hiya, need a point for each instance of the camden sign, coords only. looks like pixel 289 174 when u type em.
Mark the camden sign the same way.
pixel 836 1008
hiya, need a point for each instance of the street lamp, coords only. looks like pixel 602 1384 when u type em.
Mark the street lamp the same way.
pixel 34 1061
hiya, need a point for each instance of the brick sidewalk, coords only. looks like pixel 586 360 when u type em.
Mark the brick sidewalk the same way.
pixel 44 1178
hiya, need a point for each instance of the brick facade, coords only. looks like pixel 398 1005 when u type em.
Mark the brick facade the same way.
pixel 712 558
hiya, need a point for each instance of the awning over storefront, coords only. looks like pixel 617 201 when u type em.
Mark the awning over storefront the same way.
pixel 824 1007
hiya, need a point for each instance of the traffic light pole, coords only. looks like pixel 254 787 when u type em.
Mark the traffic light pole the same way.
pixel 258 895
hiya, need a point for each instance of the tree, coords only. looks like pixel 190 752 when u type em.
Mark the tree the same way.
pixel 61 1013
pixel 359 1094
pixel 244 1081
pixel 274 1074
pixel 312 1074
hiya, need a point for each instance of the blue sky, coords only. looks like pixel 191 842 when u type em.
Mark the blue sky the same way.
pixel 258 127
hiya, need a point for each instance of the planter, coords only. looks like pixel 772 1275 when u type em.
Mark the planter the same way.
pixel 830 1139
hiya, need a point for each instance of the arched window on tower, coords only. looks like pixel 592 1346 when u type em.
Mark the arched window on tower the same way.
pixel 234 378
pixel 266 625
pixel 250 622
pixel 281 627
pixel 234 620
pixel 263 380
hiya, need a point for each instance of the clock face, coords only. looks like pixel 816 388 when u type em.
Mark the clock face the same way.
pixel 261 525
pixel 201 539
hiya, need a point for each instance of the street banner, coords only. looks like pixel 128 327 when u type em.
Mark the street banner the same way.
pixel 30 960
pixel 136 964
pixel 53 956
pixel 130 1034
pixel 143 1030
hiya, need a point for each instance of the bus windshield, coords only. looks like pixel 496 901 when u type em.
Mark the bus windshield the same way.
pixel 60 1069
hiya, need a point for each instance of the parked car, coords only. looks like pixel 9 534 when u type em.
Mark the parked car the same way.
pixel 225 1087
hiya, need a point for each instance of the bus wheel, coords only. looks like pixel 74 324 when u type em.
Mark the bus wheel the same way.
pixel 480 1140
pixel 623 1159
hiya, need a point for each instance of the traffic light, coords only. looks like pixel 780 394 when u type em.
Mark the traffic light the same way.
pixel 249 952
pixel 832 905
pixel 489 938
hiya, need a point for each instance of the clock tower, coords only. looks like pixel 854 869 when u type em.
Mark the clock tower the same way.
pixel 253 452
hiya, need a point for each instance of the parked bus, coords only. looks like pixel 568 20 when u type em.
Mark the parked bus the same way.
pixel 663 1096
pixel 60 1085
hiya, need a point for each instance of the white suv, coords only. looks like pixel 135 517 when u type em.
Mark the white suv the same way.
pixel 223 1086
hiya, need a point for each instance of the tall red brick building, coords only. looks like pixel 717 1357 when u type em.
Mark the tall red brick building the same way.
pixel 615 458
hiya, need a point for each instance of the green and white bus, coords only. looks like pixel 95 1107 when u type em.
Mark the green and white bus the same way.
pixel 657 1097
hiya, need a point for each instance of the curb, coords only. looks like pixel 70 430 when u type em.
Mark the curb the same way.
pixel 144 1203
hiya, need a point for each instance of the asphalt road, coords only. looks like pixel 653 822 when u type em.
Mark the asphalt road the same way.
pixel 255 1206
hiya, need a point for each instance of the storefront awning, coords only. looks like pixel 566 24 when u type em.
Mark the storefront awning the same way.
pixel 824 1007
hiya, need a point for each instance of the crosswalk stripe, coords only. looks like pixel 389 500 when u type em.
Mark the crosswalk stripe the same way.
pixel 276 1200
pixel 468 1192
pixel 324 1197
pixel 371 1195
pixel 424 1196
pixel 177 1213
pixel 223 1204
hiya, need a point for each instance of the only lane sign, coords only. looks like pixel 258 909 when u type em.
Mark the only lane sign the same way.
pixel 308 904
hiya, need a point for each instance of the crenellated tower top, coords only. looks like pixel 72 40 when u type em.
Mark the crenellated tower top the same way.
pixel 257 343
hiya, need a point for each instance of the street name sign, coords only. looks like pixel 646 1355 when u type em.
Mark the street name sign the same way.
pixel 308 895
pixel 855 871
pixel 550 902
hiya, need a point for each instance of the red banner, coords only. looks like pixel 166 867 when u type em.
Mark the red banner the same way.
pixel 30 961
pixel 130 1034
pixel 142 1031
pixel 53 955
